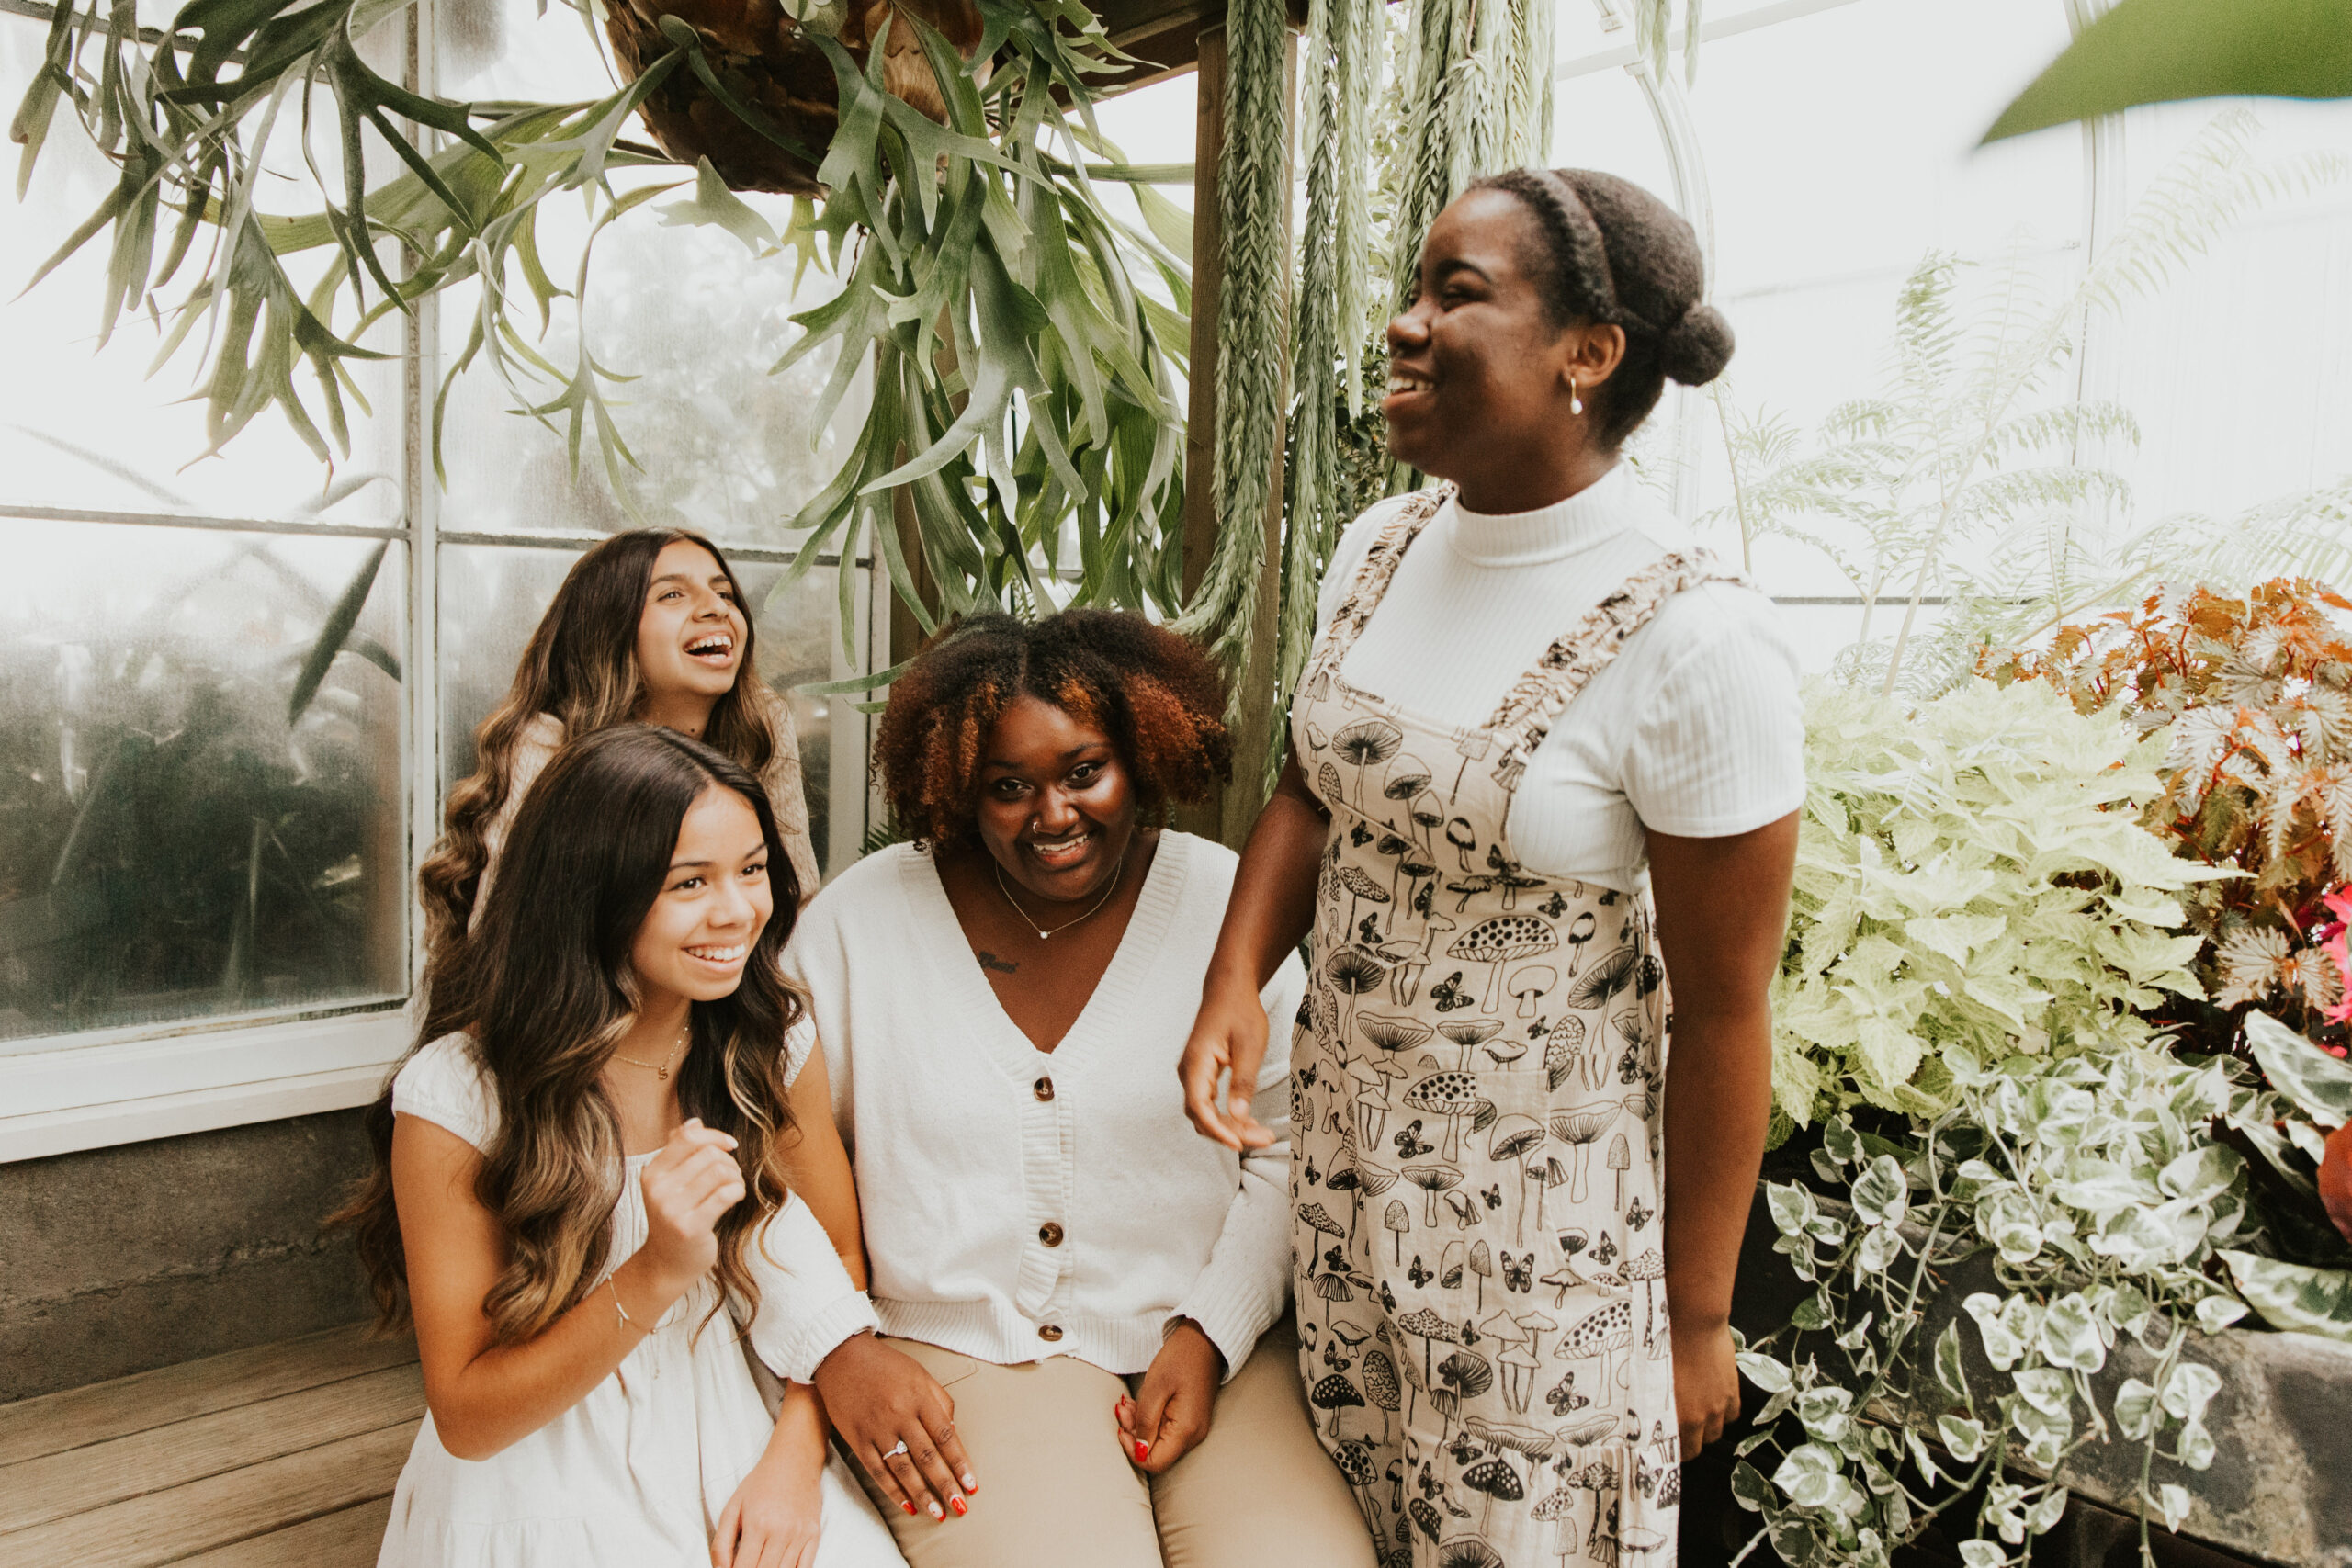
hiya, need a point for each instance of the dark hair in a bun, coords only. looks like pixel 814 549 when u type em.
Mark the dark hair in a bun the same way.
pixel 1608 250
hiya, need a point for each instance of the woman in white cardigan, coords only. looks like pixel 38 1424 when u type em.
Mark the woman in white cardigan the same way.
pixel 1001 1005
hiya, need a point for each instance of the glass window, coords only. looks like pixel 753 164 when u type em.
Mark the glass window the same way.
pixel 94 431
pixel 208 774
pixel 688 313
pixel 199 775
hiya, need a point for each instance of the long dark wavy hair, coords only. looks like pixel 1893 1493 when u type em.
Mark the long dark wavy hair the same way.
pixel 581 667
pixel 543 987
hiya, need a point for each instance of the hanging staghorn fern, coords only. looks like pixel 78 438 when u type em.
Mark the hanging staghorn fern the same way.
pixel 1254 188
pixel 1023 381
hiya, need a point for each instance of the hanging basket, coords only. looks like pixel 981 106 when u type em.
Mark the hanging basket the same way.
pixel 773 65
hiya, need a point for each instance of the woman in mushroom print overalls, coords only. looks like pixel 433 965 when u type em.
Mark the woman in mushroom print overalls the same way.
pixel 1545 752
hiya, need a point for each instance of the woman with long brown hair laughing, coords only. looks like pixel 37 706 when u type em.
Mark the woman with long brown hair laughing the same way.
pixel 582 1199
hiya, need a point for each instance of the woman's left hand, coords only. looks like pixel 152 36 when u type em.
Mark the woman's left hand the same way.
pixel 1169 1414
pixel 773 1519
pixel 1706 1384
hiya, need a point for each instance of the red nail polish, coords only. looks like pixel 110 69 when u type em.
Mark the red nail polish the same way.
pixel 910 1508
pixel 957 1504
pixel 1143 1452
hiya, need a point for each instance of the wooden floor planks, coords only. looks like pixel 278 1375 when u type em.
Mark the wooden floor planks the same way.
pixel 278 1455
pixel 165 1527
pixel 56 1422
pixel 98 1474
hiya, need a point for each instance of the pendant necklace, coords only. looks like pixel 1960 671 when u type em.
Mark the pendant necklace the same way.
pixel 1042 932
pixel 659 1069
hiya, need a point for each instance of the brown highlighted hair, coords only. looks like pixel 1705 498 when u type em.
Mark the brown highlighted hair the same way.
pixel 1159 698
pixel 1609 252
pixel 544 989
pixel 581 667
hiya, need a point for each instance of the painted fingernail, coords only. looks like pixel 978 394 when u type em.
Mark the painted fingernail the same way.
pixel 970 1485
pixel 936 1513
pixel 957 1504
pixel 910 1508
pixel 1143 1452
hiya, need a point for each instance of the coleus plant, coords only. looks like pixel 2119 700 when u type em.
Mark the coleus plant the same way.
pixel 2252 695
pixel 1024 376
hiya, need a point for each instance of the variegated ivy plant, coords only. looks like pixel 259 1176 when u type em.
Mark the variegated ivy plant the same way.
pixel 2092 1187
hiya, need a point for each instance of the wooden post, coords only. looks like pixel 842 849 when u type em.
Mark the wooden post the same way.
pixel 1229 816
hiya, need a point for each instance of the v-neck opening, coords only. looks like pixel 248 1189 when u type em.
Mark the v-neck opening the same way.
pixel 1138 947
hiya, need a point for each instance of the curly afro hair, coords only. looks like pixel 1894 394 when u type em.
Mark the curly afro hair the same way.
pixel 1159 698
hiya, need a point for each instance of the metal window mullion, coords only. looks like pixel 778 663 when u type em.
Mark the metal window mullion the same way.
pixel 419 360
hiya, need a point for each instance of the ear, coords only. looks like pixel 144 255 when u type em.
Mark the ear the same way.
pixel 1590 353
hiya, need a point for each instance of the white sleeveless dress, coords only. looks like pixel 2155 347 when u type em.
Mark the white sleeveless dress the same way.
pixel 635 1474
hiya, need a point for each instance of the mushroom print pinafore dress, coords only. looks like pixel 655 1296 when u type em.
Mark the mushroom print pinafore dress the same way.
pixel 1477 1092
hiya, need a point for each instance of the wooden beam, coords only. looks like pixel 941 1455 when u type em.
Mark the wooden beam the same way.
pixel 1229 817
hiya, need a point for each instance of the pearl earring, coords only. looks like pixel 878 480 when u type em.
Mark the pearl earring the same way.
pixel 1576 404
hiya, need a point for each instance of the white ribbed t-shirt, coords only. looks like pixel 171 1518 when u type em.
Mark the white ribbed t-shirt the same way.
pixel 1695 729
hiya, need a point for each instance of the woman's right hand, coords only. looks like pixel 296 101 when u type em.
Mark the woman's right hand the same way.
pixel 1229 1043
pixel 881 1399
pixel 687 1185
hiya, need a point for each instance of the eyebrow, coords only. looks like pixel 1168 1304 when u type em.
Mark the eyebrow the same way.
pixel 717 579
pixel 677 865
pixel 1456 264
pixel 1069 756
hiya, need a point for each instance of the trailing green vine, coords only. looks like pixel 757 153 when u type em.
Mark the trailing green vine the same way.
pixel 2097 1196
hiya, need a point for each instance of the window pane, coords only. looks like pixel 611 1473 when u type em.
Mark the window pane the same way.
pixel 1834 171
pixel 175 845
pixel 86 429
pixel 493 596
pixel 690 313
pixel 2239 370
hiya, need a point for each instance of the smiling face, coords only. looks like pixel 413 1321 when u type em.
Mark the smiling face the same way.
pixel 1478 371
pixel 1057 809
pixel 714 901
pixel 690 637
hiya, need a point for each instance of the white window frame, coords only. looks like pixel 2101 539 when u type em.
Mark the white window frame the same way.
pixel 65 1093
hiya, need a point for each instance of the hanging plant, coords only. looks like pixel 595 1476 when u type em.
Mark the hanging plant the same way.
pixel 1023 376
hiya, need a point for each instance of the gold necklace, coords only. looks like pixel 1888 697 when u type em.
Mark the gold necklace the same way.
pixel 659 1069
pixel 1043 933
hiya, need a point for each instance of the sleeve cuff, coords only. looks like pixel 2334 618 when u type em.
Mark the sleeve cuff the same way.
pixel 1229 1317
pixel 797 1353
pixel 808 1302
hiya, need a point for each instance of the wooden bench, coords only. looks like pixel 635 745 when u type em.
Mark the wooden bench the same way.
pixel 280 1455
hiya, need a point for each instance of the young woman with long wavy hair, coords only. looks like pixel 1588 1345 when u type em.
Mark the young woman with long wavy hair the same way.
pixel 648 625
pixel 586 1198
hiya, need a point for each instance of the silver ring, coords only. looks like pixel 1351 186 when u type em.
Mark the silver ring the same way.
pixel 897 1451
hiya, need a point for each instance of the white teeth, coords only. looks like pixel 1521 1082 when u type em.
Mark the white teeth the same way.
pixel 719 954
pixel 1407 384
pixel 719 644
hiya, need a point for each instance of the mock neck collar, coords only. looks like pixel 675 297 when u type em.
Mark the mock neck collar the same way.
pixel 1548 533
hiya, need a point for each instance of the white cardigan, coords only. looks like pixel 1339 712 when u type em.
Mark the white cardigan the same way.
pixel 1018 1203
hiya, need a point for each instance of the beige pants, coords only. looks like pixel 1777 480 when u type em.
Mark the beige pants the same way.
pixel 1055 1492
